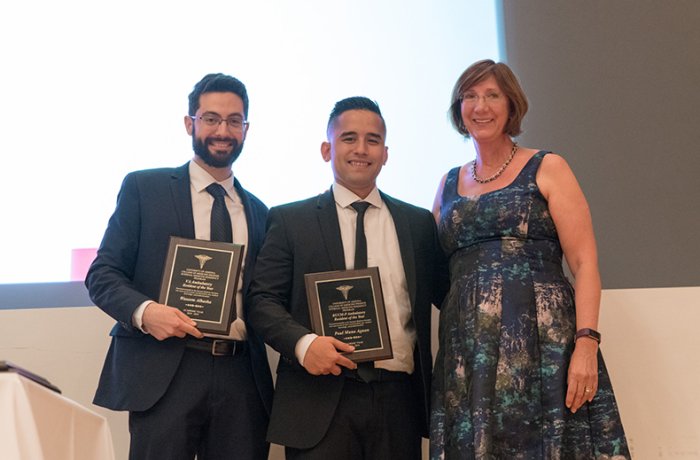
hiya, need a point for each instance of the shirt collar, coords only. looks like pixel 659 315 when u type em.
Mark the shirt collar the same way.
pixel 201 179
pixel 344 197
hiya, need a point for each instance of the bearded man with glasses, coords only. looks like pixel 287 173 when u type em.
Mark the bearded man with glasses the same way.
pixel 188 394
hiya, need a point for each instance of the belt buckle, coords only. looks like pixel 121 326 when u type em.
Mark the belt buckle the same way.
pixel 214 346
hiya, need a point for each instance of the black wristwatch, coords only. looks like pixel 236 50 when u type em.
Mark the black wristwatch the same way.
pixel 587 332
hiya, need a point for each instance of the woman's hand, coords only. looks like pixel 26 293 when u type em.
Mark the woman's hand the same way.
pixel 583 374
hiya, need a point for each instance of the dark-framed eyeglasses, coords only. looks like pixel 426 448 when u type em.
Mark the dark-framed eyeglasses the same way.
pixel 213 120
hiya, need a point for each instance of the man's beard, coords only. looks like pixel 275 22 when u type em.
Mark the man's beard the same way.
pixel 201 149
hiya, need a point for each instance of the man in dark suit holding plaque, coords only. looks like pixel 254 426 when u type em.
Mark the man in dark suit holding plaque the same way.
pixel 187 394
pixel 327 406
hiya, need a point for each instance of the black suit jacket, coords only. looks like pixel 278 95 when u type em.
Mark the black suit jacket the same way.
pixel 304 237
pixel 153 205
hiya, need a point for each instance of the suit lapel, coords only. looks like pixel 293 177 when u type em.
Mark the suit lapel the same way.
pixel 403 232
pixel 330 230
pixel 182 197
pixel 251 222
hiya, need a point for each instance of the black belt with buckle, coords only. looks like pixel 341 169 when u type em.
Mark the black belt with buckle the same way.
pixel 218 347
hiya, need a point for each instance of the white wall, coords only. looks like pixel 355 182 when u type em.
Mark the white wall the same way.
pixel 652 349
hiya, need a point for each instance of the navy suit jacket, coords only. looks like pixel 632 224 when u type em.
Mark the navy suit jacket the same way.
pixel 304 237
pixel 153 205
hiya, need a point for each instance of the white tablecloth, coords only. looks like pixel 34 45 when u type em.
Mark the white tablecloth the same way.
pixel 39 424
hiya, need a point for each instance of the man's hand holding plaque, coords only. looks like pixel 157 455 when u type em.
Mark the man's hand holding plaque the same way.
pixel 326 355
pixel 348 305
pixel 162 322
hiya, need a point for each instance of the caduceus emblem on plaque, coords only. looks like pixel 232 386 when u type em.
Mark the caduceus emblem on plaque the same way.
pixel 345 289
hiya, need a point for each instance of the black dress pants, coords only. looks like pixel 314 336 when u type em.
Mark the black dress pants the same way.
pixel 211 409
pixel 373 421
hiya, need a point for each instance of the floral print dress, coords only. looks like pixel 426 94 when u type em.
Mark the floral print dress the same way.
pixel 507 332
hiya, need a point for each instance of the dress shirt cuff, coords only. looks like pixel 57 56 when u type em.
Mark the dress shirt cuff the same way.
pixel 302 346
pixel 137 317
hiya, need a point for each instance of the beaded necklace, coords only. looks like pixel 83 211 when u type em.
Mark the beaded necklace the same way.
pixel 500 170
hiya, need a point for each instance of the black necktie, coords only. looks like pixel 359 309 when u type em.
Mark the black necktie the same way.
pixel 360 239
pixel 365 369
pixel 220 218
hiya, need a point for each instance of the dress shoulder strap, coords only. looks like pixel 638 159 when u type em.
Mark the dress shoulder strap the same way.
pixel 528 174
pixel 449 190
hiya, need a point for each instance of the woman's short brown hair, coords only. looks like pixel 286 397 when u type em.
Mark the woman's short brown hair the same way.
pixel 507 81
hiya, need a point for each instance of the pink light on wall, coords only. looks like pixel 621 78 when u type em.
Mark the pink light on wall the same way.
pixel 80 262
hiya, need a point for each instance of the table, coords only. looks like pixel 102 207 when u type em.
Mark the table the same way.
pixel 39 424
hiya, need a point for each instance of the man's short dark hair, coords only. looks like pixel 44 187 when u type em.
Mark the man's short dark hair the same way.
pixel 354 103
pixel 218 83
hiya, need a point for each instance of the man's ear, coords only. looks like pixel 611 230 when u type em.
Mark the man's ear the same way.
pixel 326 151
pixel 189 124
